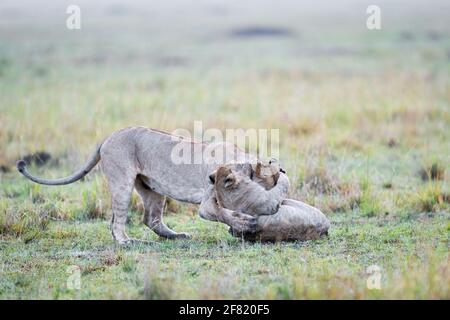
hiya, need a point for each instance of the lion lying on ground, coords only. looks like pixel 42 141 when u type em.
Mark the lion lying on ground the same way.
pixel 235 191
pixel 141 158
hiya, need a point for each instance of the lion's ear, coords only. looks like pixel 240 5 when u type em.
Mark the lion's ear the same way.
pixel 212 177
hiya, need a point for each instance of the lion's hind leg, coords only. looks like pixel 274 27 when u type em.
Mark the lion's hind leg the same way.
pixel 120 199
pixel 121 177
pixel 153 212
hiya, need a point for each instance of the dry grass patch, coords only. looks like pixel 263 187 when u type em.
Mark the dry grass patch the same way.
pixel 433 172
pixel 430 198
pixel 26 221
pixel 328 192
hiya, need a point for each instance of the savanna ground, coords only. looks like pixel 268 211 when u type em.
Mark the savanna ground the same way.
pixel 364 124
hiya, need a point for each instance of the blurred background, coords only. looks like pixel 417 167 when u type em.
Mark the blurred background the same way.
pixel 313 70
pixel 363 116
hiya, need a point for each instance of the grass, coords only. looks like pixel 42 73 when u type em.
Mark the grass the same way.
pixel 413 261
pixel 364 137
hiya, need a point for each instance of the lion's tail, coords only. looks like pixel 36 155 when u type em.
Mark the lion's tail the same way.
pixel 93 160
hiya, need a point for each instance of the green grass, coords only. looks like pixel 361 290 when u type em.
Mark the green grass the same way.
pixel 363 119
pixel 412 253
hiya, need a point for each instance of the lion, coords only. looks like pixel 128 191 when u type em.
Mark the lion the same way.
pixel 141 158
pixel 235 191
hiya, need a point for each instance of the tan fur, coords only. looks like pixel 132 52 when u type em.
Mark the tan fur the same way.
pixel 140 158
pixel 266 173
pixel 294 220
pixel 230 189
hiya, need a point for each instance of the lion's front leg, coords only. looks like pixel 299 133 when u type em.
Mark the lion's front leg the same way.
pixel 238 221
pixel 210 210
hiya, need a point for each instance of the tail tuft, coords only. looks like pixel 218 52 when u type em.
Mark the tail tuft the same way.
pixel 21 164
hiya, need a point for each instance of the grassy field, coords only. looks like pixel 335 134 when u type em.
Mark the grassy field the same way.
pixel 364 119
